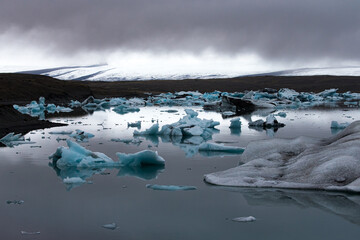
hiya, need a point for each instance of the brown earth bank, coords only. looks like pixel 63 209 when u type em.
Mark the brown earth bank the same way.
pixel 23 88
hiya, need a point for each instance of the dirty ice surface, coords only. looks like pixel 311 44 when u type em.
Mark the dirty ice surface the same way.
pixel 65 198
pixel 301 163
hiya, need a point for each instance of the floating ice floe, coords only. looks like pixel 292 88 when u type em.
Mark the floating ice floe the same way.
pixel 281 114
pixel 29 233
pixel 213 147
pixel 302 163
pixel 135 141
pixel 235 123
pixel 170 111
pixel 77 156
pixel 135 124
pixel 61 132
pixel 153 130
pixel 170 187
pixel 123 109
pixel 12 139
pixel 189 125
pixel 111 226
pixel 81 136
pixel 271 122
pixel 139 159
pixel 244 219
pixel 74 164
pixel 15 202
pixel 36 109
pixel 336 125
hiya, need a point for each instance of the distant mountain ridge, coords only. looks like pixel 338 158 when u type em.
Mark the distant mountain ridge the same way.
pixel 110 73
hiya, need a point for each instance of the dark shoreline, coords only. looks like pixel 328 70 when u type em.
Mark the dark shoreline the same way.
pixel 23 88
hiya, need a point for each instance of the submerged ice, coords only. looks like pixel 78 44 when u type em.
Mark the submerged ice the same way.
pixel 329 164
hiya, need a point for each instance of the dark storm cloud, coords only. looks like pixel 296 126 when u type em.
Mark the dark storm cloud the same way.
pixel 278 29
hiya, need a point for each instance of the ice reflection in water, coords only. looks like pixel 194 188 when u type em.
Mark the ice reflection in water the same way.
pixel 341 204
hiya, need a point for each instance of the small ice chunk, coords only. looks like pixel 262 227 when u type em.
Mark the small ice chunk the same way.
pixel 29 233
pixel 281 114
pixel 336 125
pixel 135 124
pixel 110 226
pixel 220 148
pixel 235 123
pixel 169 111
pixel 61 132
pixel 13 139
pixel 81 136
pixel 73 180
pixel 139 159
pixel 257 123
pixel 228 113
pixel 15 202
pixel 244 219
pixel 170 187
pixel 153 130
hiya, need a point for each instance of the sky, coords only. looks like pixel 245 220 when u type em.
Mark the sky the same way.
pixel 257 35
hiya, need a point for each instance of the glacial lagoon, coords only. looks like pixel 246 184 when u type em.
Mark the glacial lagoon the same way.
pixel 79 210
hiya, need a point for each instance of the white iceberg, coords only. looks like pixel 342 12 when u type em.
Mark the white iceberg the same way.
pixel 303 163
pixel 244 219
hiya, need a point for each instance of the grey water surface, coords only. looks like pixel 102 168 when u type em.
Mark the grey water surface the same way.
pixel 119 195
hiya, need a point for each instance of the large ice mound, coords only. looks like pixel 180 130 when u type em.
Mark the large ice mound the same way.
pixel 303 163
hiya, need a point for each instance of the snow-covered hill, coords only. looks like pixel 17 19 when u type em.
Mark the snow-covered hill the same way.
pixel 111 73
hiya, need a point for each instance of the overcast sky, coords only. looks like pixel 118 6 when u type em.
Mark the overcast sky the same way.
pixel 284 33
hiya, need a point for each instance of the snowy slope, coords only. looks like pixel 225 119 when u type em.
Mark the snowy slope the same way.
pixel 111 73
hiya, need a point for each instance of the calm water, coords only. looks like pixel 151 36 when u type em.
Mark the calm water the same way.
pixel 61 212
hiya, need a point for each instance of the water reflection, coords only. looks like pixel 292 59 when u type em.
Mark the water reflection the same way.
pixel 341 204
pixel 83 175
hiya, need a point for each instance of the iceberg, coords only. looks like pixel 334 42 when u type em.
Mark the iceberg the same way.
pixel 135 141
pixel 36 109
pixel 81 136
pixel 336 125
pixel 213 147
pixel 170 187
pixel 302 163
pixel 78 156
pixel 235 123
pixel 244 219
pixel 140 159
pixel 153 130
pixel 61 132
pixel 111 226
pixel 123 109
pixel 12 139
pixel 135 124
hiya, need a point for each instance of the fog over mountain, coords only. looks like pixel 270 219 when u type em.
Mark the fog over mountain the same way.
pixel 189 36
